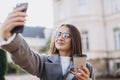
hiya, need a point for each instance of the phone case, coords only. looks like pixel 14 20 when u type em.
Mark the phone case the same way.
pixel 19 29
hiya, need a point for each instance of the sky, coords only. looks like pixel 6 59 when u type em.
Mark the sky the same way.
pixel 40 12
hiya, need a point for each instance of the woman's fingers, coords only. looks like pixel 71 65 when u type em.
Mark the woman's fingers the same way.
pixel 20 8
pixel 13 25
pixel 86 73
pixel 10 23
pixel 86 70
pixel 17 19
pixel 14 19
pixel 82 73
pixel 6 31
pixel 17 14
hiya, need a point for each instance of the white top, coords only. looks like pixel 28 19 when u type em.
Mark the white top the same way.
pixel 65 61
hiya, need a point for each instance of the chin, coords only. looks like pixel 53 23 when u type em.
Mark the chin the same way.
pixel 59 48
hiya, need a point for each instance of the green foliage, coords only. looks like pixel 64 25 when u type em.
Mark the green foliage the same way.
pixel 14 69
pixel 47 47
pixel 11 68
pixel 3 64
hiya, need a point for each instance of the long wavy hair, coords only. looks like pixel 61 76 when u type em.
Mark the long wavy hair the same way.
pixel 75 40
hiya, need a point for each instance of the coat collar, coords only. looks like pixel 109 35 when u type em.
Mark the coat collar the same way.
pixel 55 58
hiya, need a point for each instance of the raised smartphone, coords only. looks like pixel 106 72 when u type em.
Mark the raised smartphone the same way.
pixel 19 29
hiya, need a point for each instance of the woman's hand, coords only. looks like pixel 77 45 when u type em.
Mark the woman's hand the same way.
pixel 14 19
pixel 82 73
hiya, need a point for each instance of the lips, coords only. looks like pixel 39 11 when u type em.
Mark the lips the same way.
pixel 60 43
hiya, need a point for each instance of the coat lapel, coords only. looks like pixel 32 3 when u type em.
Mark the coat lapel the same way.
pixel 53 68
pixel 54 58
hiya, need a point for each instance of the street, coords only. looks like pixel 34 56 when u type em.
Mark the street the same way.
pixel 31 77
pixel 21 77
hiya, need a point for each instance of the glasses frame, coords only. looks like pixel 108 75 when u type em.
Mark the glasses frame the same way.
pixel 64 35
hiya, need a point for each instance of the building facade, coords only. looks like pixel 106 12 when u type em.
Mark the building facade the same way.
pixel 36 37
pixel 99 24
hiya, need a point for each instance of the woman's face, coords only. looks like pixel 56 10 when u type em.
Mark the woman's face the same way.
pixel 63 39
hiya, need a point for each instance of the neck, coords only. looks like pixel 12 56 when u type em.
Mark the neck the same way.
pixel 65 53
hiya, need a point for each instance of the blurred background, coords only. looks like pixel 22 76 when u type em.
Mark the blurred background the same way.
pixel 97 20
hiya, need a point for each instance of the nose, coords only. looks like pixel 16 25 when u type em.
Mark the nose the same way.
pixel 60 37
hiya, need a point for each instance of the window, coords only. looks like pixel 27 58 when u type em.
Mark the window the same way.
pixel 117 38
pixel 85 42
pixel 82 7
pixel 61 11
pixel 58 0
pixel 114 5
pixel 118 65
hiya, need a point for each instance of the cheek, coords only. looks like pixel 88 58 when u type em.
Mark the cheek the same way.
pixel 55 41
pixel 69 44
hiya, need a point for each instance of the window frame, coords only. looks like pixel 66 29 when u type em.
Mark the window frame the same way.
pixel 82 7
pixel 85 40
pixel 117 38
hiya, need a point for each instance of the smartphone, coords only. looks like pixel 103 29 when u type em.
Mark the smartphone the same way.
pixel 19 29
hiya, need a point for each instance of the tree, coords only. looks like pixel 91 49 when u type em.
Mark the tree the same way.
pixel 3 64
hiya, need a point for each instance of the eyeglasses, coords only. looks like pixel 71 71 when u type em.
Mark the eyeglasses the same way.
pixel 64 35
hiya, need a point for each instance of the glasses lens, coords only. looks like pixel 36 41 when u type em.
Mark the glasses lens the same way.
pixel 66 35
pixel 58 34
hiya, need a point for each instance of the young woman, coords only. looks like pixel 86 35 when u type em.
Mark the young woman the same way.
pixel 58 65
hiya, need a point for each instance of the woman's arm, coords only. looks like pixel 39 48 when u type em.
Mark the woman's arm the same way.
pixel 21 53
pixel 23 56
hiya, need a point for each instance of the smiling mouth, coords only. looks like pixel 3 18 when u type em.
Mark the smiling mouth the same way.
pixel 60 43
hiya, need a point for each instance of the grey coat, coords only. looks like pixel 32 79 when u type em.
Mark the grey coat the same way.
pixel 44 66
